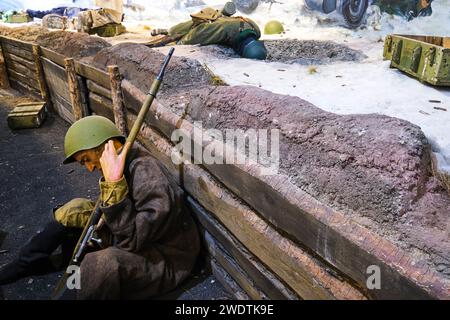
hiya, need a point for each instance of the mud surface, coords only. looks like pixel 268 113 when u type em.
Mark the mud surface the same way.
pixel 372 167
pixel 140 64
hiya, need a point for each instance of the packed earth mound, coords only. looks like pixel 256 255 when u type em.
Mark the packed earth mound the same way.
pixel 69 44
pixel 72 44
pixel 139 64
pixel 372 167
pixel 28 33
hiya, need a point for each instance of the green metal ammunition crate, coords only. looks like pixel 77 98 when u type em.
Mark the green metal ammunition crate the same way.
pixel 424 57
pixel 27 115
pixel 109 30
pixel 18 18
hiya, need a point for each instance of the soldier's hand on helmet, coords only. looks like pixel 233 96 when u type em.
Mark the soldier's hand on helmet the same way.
pixel 113 163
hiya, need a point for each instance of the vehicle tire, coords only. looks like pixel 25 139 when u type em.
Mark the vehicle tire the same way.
pixel 354 11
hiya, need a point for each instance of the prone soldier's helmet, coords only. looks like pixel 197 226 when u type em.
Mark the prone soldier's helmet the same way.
pixel 255 50
pixel 87 133
pixel 273 27
pixel 248 46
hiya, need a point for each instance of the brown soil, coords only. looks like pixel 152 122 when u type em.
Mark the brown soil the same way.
pixel 29 33
pixel 70 44
pixel 140 64
pixel 372 167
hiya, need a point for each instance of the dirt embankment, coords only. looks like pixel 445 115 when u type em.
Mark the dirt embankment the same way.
pixel 372 167
pixel 70 44
pixel 140 64
pixel 29 33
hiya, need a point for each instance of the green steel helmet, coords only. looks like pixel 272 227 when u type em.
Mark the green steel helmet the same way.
pixel 273 27
pixel 248 46
pixel 87 133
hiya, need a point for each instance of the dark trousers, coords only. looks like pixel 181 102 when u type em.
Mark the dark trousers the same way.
pixel 35 257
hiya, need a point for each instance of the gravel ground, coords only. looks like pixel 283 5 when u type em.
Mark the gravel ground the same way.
pixel 310 52
pixel 305 52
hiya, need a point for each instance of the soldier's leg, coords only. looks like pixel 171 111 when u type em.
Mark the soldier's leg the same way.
pixel 34 256
pixel 117 274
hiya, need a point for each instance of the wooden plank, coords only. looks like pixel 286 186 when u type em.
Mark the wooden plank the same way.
pixel 39 74
pixel 264 278
pixel 343 243
pixel 302 272
pixel 23 78
pixel 84 95
pixel 4 82
pixel 22 45
pixel 24 88
pixel 63 108
pixel 24 54
pixel 101 106
pixel 74 89
pixel 232 268
pixel 95 88
pixel 119 109
pixel 99 76
pixel 53 56
pixel 12 57
pixel 56 78
pixel 228 283
pixel 20 68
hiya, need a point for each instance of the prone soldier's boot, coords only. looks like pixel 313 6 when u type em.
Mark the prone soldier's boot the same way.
pixel 35 256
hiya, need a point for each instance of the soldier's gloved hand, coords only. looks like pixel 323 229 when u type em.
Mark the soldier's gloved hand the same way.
pixel 112 163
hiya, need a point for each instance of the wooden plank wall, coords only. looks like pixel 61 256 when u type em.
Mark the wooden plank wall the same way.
pixel 57 80
pixel 20 65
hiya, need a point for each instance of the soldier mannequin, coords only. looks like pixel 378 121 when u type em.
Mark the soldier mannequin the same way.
pixel 210 26
pixel 155 240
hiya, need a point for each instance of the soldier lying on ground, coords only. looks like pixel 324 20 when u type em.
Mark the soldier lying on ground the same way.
pixel 153 239
pixel 210 26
